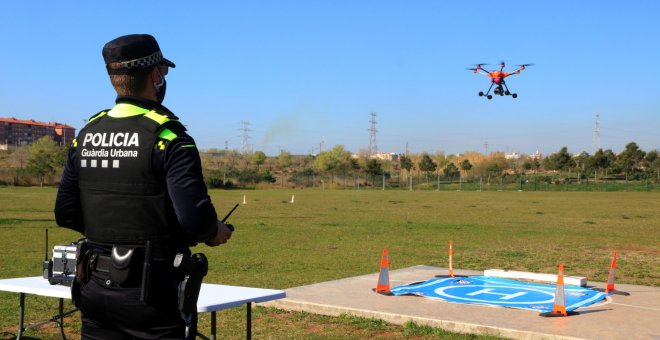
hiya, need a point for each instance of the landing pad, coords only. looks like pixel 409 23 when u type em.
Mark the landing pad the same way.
pixel 498 292
pixel 617 317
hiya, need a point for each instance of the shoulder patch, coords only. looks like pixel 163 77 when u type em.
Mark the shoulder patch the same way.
pixel 167 134
pixel 161 144
pixel 164 137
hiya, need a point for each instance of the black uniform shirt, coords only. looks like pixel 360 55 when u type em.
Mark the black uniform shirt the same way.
pixel 178 165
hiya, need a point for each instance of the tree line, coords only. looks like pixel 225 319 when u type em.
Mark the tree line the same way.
pixel 38 163
pixel 42 162
pixel 332 168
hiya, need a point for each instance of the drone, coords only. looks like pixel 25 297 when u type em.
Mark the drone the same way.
pixel 497 79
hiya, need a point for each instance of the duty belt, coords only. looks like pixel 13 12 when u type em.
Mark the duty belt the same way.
pixel 102 263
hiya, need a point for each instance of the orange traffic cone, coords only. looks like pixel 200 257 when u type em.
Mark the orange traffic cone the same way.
pixel 383 286
pixel 559 306
pixel 451 260
pixel 610 277
pixel 450 271
pixel 609 289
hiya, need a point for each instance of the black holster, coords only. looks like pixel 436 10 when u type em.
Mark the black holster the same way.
pixel 83 254
pixel 194 267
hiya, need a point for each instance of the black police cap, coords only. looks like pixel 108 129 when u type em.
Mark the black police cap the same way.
pixel 135 52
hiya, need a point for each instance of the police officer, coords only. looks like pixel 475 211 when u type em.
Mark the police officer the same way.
pixel 133 186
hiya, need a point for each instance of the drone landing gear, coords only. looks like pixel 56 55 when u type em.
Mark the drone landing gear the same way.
pixel 481 94
pixel 490 96
pixel 508 93
pixel 513 95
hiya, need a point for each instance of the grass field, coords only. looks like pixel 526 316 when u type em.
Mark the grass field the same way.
pixel 334 234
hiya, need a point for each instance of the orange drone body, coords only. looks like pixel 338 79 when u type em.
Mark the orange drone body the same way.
pixel 497 79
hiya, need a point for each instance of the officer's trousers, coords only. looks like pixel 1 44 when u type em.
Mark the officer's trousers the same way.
pixel 110 312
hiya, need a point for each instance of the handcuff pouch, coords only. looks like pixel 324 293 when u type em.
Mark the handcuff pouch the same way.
pixel 120 269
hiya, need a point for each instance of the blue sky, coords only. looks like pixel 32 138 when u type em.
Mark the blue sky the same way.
pixel 302 72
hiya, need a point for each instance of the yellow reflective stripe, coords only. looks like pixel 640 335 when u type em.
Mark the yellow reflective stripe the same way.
pixel 123 110
pixel 158 118
pixel 97 116
pixel 167 134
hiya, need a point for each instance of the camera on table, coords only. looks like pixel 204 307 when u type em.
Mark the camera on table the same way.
pixel 61 268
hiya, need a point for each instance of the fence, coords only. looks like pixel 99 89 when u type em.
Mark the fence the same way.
pixel 440 183
pixel 520 182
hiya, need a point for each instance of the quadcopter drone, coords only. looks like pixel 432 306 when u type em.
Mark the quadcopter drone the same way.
pixel 497 79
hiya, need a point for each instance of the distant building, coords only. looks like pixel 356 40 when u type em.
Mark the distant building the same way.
pixel 536 155
pixel 17 132
pixel 386 156
pixel 512 155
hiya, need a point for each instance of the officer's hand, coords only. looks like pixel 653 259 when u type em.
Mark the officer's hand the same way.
pixel 222 235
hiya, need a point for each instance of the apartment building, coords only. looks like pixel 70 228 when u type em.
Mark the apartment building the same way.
pixel 17 132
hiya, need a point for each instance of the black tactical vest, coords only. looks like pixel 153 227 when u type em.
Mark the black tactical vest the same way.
pixel 122 200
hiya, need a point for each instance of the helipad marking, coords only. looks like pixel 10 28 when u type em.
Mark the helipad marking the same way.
pixel 499 292
pixel 504 296
pixel 459 293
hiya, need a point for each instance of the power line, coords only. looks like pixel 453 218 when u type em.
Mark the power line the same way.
pixel 245 144
pixel 597 133
pixel 373 148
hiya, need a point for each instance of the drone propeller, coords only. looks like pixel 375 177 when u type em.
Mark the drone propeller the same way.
pixel 525 65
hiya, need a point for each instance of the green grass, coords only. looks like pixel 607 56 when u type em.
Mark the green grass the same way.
pixel 334 234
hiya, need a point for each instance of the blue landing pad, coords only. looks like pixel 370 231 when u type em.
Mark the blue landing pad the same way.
pixel 492 291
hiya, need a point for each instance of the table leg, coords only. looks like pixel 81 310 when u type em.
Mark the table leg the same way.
pixel 21 315
pixel 249 320
pixel 60 319
pixel 213 325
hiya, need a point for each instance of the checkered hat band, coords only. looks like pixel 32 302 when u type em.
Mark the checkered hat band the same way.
pixel 144 62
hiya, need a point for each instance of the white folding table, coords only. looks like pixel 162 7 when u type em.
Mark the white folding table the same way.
pixel 212 298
